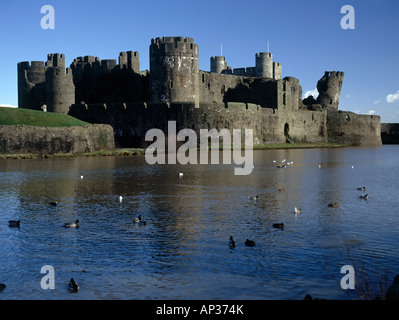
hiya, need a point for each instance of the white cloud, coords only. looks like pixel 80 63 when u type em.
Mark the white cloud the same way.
pixel 313 93
pixel 377 101
pixel 393 97
pixel 371 112
pixel 347 96
pixel 8 105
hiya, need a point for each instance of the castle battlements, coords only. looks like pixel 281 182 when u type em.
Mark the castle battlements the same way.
pixel 116 92
pixel 174 77
pixel 265 67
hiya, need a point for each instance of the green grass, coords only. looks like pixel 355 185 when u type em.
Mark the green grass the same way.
pixel 19 116
pixel 103 153
pixel 306 145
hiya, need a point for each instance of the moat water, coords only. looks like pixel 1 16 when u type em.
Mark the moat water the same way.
pixel 182 252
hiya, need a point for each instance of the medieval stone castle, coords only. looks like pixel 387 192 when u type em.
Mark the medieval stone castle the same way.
pixel 133 101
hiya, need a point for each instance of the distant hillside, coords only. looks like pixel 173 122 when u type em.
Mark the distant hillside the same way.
pixel 19 116
pixel 8 106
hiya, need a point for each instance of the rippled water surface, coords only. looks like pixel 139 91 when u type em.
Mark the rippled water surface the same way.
pixel 182 252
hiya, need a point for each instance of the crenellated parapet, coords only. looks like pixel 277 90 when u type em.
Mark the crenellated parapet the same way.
pixel 265 67
pixel 31 80
pixel 174 70
pixel 116 92
pixel 47 83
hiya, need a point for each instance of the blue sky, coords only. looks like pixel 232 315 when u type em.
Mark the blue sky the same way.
pixel 305 36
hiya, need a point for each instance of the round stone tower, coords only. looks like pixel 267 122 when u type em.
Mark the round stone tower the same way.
pixel 31 84
pixel 60 89
pixel 329 87
pixel 218 64
pixel 174 70
pixel 264 65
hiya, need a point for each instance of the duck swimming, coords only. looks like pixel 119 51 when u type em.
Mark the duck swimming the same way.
pixel 278 225
pixel 362 189
pixel 53 203
pixel 232 243
pixel 365 197
pixel 73 286
pixel 296 210
pixel 72 224
pixel 333 205
pixel 140 220
pixel 253 198
pixel 14 223
pixel 249 243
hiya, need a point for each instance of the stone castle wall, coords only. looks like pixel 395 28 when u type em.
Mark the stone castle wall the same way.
pixel 48 140
pixel 353 129
pixel 131 121
pixel 133 101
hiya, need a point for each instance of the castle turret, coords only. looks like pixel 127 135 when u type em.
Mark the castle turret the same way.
pixel 129 60
pixel 56 60
pixel 174 70
pixel 31 84
pixel 329 87
pixel 264 65
pixel 218 64
pixel 60 90
pixel 277 71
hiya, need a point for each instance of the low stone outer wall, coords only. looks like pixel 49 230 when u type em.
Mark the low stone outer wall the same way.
pixel 20 139
pixel 353 129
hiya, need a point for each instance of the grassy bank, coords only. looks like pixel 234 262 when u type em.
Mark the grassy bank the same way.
pixel 139 151
pixel 314 145
pixel 19 116
pixel 103 153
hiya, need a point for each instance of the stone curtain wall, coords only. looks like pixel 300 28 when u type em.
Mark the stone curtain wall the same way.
pixel 353 129
pixel 131 121
pixel 49 140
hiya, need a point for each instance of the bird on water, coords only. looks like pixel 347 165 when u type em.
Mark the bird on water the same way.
pixel 278 225
pixel 232 243
pixel 73 286
pixel 249 243
pixel 333 205
pixel 72 224
pixel 140 220
pixel 14 223
pixel 364 196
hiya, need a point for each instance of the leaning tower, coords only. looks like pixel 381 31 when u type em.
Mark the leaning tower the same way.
pixel 329 87
pixel 174 70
